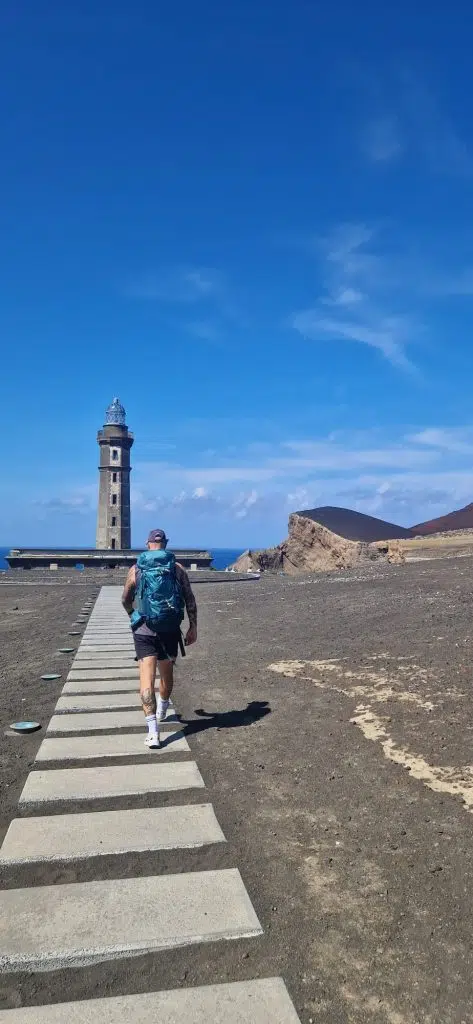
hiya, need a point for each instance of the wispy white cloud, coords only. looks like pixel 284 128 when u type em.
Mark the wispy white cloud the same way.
pixel 412 124
pixel 407 478
pixel 78 504
pixel 345 248
pixel 432 131
pixel 357 290
pixel 204 504
pixel 284 464
pixel 196 300
pixel 387 334
pixel 405 498
pixel 179 285
pixel 458 440
pixel 333 455
pixel 408 498
pixel 203 476
pixel 381 139
pixel 344 297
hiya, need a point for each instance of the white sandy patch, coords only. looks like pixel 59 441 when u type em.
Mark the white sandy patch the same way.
pixel 441 779
pixel 376 688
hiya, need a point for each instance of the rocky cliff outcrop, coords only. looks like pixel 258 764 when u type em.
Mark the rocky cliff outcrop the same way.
pixel 311 547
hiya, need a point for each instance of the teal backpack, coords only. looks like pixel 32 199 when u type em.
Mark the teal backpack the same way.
pixel 159 598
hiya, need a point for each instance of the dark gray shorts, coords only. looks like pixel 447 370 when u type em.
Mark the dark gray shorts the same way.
pixel 163 646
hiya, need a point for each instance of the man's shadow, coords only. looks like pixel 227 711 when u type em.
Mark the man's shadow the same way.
pixel 254 712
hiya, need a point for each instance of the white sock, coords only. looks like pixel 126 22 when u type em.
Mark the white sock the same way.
pixel 151 722
pixel 163 704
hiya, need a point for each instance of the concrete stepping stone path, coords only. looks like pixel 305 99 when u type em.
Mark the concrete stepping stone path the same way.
pixel 49 927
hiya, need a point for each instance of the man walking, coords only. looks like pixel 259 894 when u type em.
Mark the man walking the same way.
pixel 162 589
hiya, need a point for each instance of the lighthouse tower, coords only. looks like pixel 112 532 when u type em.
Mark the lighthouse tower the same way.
pixel 113 516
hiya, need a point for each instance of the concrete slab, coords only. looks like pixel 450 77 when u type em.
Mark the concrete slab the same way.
pixel 105 637
pixel 74 748
pixel 95 783
pixel 107 627
pixel 97 640
pixel 49 927
pixel 104 649
pixel 105 652
pixel 103 673
pixel 117 645
pixel 76 836
pixel 109 622
pixel 265 1001
pixel 86 655
pixel 112 628
pixel 97 702
pixel 81 653
pixel 103 685
pixel 106 662
pixel 107 632
pixel 107 720
pixel 103 621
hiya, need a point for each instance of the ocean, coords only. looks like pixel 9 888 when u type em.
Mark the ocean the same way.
pixel 221 557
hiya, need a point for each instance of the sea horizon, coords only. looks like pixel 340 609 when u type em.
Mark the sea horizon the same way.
pixel 221 557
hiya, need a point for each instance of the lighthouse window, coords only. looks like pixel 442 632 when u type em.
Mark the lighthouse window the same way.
pixel 114 499
pixel 114 454
pixel 113 543
pixel 114 478
pixel 114 520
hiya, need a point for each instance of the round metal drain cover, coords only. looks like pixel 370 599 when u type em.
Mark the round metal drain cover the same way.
pixel 25 726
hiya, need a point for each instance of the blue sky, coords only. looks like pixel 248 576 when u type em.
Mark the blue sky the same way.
pixel 252 222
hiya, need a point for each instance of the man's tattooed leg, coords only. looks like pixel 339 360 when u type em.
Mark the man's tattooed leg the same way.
pixel 148 700
pixel 147 681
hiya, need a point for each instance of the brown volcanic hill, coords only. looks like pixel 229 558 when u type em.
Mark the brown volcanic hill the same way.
pixel 355 525
pixel 311 547
pixel 461 519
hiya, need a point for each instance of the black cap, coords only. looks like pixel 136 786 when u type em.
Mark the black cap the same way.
pixel 156 537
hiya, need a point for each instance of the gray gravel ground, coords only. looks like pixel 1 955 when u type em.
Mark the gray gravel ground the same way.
pixel 342 777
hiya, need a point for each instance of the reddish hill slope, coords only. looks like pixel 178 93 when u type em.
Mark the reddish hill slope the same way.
pixel 462 519
pixel 355 525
